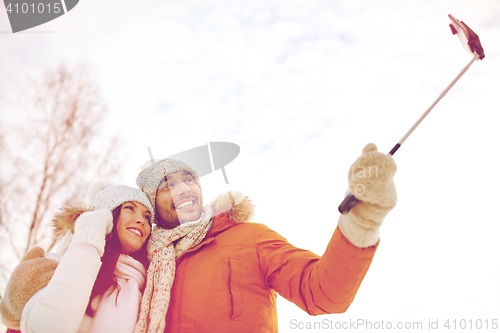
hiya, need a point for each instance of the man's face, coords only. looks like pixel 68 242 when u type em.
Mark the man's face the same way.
pixel 178 200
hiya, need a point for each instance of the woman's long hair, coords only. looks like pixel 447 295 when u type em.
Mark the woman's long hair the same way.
pixel 106 279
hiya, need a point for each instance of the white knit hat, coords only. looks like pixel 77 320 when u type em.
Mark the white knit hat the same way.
pixel 149 178
pixel 104 194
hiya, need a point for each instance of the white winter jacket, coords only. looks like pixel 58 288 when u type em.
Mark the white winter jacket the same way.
pixel 60 306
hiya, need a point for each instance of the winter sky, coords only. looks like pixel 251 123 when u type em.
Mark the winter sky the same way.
pixel 301 87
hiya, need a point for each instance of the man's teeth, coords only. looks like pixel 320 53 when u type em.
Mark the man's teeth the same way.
pixel 186 204
pixel 135 231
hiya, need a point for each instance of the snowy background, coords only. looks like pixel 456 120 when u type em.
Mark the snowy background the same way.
pixel 301 87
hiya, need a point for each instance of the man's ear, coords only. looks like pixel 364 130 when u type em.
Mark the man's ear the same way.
pixel 157 220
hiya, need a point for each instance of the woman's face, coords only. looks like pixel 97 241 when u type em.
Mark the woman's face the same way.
pixel 133 226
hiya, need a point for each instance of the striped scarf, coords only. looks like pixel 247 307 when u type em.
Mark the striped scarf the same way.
pixel 162 255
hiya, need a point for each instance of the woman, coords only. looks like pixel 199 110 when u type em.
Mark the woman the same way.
pixel 98 283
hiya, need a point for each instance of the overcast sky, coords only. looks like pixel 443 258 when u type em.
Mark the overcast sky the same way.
pixel 301 87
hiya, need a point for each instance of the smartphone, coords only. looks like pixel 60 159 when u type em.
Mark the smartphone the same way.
pixel 468 38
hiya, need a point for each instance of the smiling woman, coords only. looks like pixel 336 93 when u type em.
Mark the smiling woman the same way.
pixel 133 226
pixel 101 266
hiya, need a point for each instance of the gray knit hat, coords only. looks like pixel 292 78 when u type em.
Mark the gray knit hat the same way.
pixel 149 178
pixel 103 194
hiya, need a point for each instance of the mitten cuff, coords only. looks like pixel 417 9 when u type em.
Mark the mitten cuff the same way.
pixel 359 235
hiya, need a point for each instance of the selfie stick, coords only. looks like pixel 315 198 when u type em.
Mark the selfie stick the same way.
pixel 471 43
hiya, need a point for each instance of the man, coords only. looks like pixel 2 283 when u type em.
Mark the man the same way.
pixel 213 271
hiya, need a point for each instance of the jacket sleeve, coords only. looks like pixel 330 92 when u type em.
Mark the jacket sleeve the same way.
pixel 318 285
pixel 60 306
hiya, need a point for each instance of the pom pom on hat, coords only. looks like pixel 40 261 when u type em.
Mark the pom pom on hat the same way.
pixel 96 187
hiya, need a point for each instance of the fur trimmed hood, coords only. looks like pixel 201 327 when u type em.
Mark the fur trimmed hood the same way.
pixel 234 204
pixel 65 218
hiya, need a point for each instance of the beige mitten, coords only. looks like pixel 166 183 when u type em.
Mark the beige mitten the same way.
pixel 371 180
pixel 31 275
pixel 92 227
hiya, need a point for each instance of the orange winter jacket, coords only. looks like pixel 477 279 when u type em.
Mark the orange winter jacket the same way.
pixel 228 282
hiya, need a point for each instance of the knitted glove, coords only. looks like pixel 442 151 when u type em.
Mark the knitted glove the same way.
pixel 371 180
pixel 92 227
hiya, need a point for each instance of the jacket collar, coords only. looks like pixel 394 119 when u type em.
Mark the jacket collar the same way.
pixel 234 205
pixel 229 209
pixel 220 223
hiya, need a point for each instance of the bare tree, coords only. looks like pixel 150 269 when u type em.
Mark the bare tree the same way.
pixel 52 157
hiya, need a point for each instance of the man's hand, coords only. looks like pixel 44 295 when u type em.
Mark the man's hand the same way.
pixel 371 180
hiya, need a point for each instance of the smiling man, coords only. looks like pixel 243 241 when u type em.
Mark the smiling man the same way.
pixel 185 207
pixel 214 271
